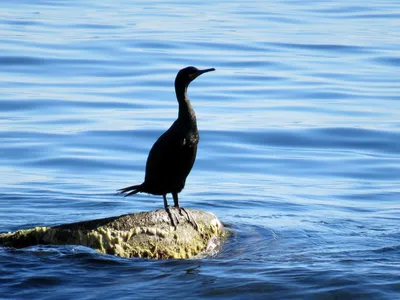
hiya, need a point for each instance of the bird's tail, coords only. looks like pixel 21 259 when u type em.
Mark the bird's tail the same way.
pixel 130 190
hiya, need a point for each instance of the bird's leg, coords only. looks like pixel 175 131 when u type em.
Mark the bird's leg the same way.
pixel 172 217
pixel 188 214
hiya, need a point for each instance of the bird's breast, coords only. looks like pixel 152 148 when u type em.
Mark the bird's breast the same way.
pixel 191 139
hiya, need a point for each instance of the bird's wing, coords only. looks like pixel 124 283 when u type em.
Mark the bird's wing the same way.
pixel 163 155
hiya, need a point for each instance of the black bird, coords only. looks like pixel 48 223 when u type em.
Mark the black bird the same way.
pixel 172 156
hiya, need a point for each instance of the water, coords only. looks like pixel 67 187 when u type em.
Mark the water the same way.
pixel 299 150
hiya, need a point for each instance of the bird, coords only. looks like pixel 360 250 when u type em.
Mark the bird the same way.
pixel 172 156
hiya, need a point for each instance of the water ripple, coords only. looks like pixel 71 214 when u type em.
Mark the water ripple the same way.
pixel 299 149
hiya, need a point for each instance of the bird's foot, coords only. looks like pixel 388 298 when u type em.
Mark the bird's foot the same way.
pixel 189 217
pixel 172 217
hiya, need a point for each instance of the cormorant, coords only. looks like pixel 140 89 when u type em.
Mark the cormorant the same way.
pixel 172 156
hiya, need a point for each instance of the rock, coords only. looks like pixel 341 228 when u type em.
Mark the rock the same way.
pixel 144 234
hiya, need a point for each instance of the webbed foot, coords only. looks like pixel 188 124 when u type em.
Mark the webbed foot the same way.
pixel 172 217
pixel 189 217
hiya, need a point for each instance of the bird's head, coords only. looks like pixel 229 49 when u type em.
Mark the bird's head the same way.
pixel 188 74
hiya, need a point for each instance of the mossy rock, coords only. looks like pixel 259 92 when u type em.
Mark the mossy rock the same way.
pixel 144 234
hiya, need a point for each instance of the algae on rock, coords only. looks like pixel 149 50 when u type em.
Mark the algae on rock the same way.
pixel 144 234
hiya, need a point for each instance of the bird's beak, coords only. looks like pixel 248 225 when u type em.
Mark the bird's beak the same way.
pixel 199 72
pixel 204 71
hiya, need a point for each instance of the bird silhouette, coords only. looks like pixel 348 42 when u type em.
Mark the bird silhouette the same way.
pixel 172 156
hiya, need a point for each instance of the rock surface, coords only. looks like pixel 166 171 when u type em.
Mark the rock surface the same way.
pixel 144 234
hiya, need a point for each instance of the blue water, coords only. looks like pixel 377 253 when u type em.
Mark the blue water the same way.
pixel 299 150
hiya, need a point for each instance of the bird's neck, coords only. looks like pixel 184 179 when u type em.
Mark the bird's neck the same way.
pixel 186 112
